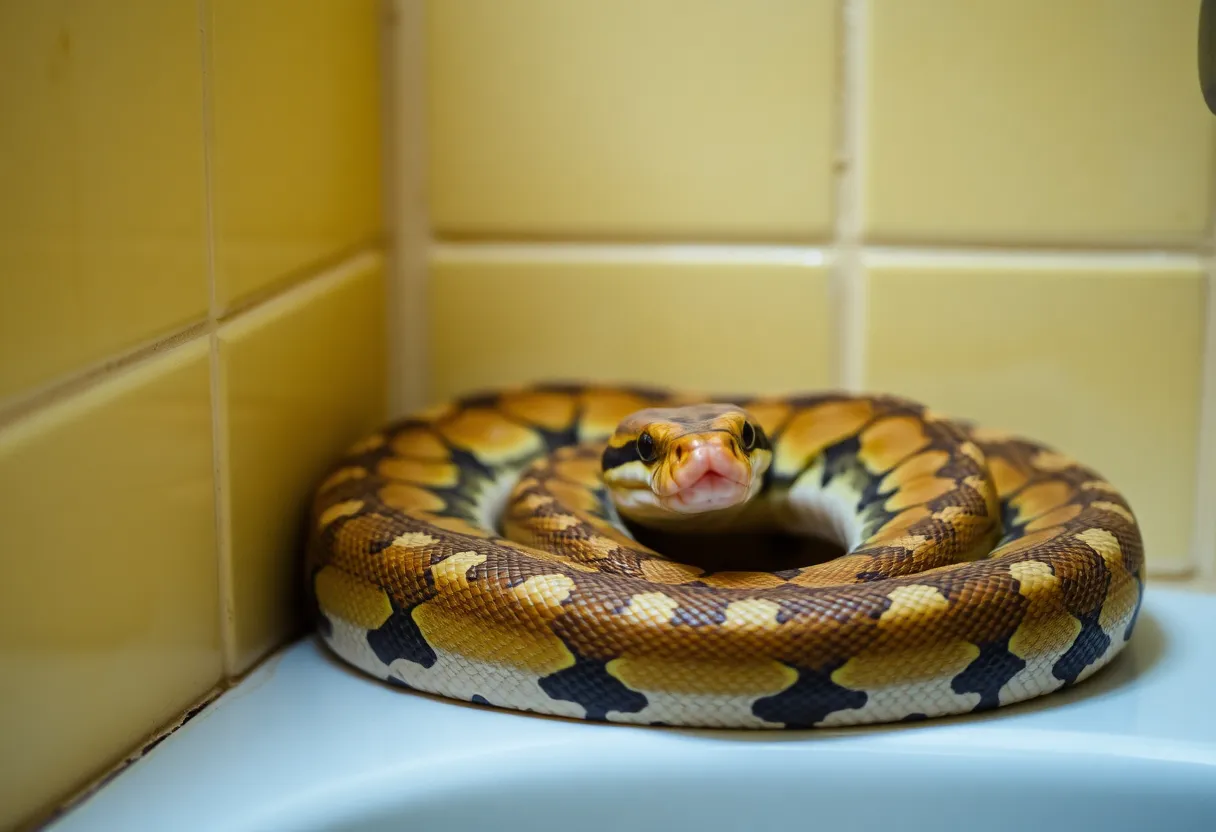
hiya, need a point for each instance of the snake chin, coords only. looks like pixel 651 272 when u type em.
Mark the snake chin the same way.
pixel 712 492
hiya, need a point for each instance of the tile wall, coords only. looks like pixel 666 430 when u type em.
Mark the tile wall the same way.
pixel 1004 210
pixel 191 327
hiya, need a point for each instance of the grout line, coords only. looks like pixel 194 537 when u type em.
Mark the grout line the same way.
pixel 1199 248
pixel 208 137
pixel 219 390
pixel 406 204
pixel 691 252
pixel 320 279
pixel 146 746
pixel 1178 572
pixel 1033 258
pixel 849 278
pixel 65 387
pixel 20 406
pixel 631 253
pixel 221 468
pixel 290 281
pixel 1203 556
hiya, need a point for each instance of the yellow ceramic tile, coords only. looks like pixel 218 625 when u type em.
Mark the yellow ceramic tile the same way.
pixel 109 607
pixel 718 327
pixel 1103 363
pixel 296 136
pixel 303 376
pixel 1038 121
pixel 101 163
pixel 640 118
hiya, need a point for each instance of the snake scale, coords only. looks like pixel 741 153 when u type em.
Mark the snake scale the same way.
pixel 490 550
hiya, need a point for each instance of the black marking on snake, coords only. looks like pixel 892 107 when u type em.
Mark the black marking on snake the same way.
pixel 1087 648
pixel 809 700
pixel 1131 624
pixel 569 388
pixel 478 699
pixel 588 683
pixel 645 392
pixel 469 464
pixel 398 682
pixel 1009 516
pixel 407 423
pixel 607 509
pixel 324 626
pixel 623 455
pixel 840 459
pixel 917 717
pixel 479 399
pixel 400 638
pixel 988 672
pixel 312 605
pixel 803 401
pixel 555 439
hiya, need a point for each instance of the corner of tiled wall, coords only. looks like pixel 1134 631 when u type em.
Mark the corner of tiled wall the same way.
pixel 191 325
pixel 1004 210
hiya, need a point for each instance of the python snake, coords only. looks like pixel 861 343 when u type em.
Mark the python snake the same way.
pixel 490 550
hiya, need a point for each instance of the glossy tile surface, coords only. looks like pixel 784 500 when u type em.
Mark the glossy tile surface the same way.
pixel 1103 363
pixel 102 242
pixel 721 327
pixel 642 118
pixel 296 154
pixel 1036 122
pixel 109 606
pixel 303 377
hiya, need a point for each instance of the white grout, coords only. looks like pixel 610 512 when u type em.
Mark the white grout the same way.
pixel 817 255
pixel 851 295
pixel 539 252
pixel 405 151
pixel 992 257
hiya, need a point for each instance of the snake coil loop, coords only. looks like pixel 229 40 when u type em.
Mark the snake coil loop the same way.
pixel 473 551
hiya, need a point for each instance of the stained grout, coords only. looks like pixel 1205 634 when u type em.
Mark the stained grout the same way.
pixel 144 748
pixel 219 420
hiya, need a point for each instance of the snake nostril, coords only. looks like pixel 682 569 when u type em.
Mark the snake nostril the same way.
pixel 679 452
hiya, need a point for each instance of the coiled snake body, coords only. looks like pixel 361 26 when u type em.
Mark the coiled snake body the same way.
pixel 487 551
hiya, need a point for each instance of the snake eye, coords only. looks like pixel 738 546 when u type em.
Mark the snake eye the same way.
pixel 646 449
pixel 748 435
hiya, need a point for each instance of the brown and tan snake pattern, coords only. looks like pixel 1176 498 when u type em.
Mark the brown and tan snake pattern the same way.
pixel 474 551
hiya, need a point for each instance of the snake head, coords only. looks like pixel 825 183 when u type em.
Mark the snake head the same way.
pixel 671 463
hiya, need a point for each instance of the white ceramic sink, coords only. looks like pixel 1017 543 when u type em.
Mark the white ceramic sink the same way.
pixel 305 744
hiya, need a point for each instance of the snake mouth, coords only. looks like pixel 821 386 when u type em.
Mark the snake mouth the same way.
pixel 702 472
pixel 712 491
